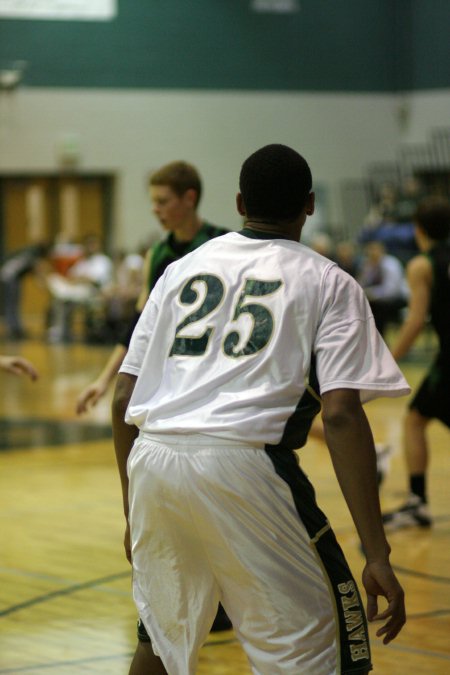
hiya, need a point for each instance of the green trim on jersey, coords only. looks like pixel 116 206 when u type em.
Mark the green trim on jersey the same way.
pixel 257 234
pixel 165 252
pixel 299 423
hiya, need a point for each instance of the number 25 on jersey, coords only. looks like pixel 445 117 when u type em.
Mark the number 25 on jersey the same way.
pixel 262 327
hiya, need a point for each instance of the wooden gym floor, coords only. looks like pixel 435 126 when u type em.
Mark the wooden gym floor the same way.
pixel 65 603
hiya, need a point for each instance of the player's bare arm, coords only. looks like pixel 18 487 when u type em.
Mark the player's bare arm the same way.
pixel 143 295
pixel 91 395
pixel 16 365
pixel 124 436
pixel 351 446
pixel 420 278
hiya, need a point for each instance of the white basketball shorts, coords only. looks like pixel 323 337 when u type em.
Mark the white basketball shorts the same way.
pixel 214 521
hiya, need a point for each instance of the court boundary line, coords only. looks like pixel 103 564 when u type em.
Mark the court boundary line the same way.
pixel 61 592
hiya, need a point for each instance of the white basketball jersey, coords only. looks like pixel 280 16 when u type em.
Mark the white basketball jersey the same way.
pixel 224 344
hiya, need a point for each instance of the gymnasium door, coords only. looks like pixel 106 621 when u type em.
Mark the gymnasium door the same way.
pixel 53 208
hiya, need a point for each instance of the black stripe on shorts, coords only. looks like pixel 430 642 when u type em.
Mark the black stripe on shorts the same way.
pixel 353 637
pixel 142 634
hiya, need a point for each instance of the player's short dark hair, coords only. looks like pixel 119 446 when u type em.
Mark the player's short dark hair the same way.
pixel 180 177
pixel 433 216
pixel 275 182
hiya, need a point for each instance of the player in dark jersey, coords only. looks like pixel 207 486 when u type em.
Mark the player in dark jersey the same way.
pixel 175 192
pixel 429 280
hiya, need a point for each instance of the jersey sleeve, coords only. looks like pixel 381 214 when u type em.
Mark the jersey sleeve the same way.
pixel 126 334
pixel 142 333
pixel 350 352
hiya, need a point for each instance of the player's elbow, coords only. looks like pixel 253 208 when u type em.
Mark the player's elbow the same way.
pixel 122 394
pixel 118 407
pixel 340 408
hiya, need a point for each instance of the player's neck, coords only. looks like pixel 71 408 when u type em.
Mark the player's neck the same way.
pixel 188 230
pixel 285 230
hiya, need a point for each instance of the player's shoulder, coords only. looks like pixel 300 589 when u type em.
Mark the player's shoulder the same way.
pixel 316 259
pixel 213 237
pixel 338 284
pixel 419 265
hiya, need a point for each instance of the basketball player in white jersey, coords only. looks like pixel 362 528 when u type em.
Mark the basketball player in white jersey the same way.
pixel 211 400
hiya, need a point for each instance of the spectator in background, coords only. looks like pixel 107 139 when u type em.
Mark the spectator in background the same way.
pixel 122 293
pixel 383 279
pixel 323 244
pixel 82 287
pixel 411 193
pixel 384 209
pixel 346 255
pixel 31 259
pixel 391 219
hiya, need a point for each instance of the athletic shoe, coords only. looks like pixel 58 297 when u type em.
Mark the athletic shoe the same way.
pixel 384 453
pixel 414 513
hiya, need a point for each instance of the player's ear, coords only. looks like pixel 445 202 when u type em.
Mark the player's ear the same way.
pixel 240 204
pixel 310 204
pixel 191 198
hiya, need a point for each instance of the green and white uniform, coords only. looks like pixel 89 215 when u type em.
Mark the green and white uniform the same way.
pixel 219 508
pixel 163 254
pixel 169 250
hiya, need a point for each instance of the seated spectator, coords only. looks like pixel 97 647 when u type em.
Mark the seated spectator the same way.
pixel 384 209
pixel 397 238
pixel 323 244
pixel 27 260
pixel 390 221
pixel 121 294
pixel 383 278
pixel 411 193
pixel 65 253
pixel 347 257
pixel 80 288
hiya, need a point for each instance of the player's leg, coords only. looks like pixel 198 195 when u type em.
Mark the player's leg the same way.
pixel 285 583
pixel 173 586
pixel 384 453
pixel 431 401
pixel 414 512
pixel 416 445
pixel 145 662
pixel 294 619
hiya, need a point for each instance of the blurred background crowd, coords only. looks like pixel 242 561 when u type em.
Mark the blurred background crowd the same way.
pixel 89 295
